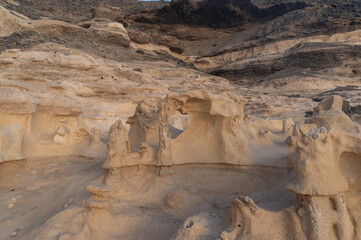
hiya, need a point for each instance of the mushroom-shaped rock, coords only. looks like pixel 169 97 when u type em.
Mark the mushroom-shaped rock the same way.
pixel 315 155
pixel 317 147
pixel 315 152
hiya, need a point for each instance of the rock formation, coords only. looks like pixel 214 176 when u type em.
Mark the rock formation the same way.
pixel 11 22
pixel 315 154
pixel 318 212
pixel 217 120
pixel 227 120
pixel 228 13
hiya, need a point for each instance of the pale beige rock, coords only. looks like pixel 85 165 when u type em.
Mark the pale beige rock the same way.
pixel 118 146
pixel 11 22
pixel 288 126
pixel 246 220
pixel 95 137
pixel 191 151
pixel 144 124
pixel 319 221
pixel 61 135
pixel 242 211
pixel 100 196
pixel 315 154
pixel 329 113
pixel 148 171
pixel 130 172
pixel 196 227
pixel 11 142
pixel 113 32
pixel 216 120
pixel 120 155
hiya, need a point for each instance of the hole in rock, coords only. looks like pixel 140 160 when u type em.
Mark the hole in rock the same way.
pixel 189 224
pixel 178 123
pixel 86 25
pixel 333 204
pixel 350 166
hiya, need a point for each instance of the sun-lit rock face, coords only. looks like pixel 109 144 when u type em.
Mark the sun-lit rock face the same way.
pixel 11 22
pixel 184 120
pixel 183 172
pixel 11 141
pixel 330 113
pixel 217 121
pixel 317 148
pixel 75 93
pixel 315 153
pixel 316 161
pixel 217 132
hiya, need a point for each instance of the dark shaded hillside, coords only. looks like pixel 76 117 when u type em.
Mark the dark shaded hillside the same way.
pixel 76 10
pixel 222 14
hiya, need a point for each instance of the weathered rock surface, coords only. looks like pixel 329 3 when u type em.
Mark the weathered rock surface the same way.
pixel 320 176
pixel 11 22
pixel 11 141
pixel 228 13
pixel 183 120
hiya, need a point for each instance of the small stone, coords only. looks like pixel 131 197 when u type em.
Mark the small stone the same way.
pixel 15 232
pixel 11 203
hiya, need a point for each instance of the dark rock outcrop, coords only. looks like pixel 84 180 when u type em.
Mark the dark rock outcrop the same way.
pixel 225 13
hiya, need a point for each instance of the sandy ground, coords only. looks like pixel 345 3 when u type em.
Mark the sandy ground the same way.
pixel 34 189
